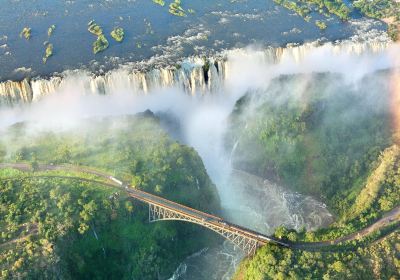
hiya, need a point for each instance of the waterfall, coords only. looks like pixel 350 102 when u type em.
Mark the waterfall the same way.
pixel 191 75
pixel 15 92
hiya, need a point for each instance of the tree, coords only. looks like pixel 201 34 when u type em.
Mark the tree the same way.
pixel 83 228
pixel 88 211
pixel 158 189
pixel 64 154
pixel 34 165
pixel 3 153
pixel 129 207
pixel 338 266
pixel 281 232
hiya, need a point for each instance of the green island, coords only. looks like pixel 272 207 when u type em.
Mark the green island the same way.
pixel 321 25
pixel 386 10
pixel 159 2
pixel 26 33
pixel 349 158
pixel 50 30
pixel 48 52
pixel 66 224
pixel 118 34
pixel 101 42
pixel 176 9
pixel 305 8
pixel 94 28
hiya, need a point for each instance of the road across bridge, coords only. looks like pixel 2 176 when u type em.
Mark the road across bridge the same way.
pixel 161 209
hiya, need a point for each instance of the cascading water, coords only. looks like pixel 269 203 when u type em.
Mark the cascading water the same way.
pixel 191 75
pixel 201 99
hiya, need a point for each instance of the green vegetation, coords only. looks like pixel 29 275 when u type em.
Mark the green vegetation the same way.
pixel 51 30
pixel 48 53
pixel 304 8
pixel 94 28
pixel 336 143
pixel 380 194
pixel 26 33
pixel 382 187
pixel 378 261
pixel 378 8
pixel 321 25
pixel 374 256
pixel 388 10
pixel 311 140
pixel 100 44
pixel 159 2
pixel 64 228
pixel 118 34
pixel 393 31
pixel 176 9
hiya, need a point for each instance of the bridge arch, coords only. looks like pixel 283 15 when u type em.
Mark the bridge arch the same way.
pixel 244 242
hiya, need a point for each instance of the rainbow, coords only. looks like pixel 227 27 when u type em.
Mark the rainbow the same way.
pixel 395 94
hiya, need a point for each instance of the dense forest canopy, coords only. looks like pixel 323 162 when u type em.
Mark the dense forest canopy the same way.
pixel 313 133
pixel 334 139
pixel 63 228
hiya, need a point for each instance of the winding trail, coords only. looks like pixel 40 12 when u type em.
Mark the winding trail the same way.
pixel 390 218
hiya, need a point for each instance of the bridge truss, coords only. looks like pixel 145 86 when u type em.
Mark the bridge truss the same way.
pixel 246 243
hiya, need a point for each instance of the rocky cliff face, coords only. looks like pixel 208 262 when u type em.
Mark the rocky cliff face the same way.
pixel 195 76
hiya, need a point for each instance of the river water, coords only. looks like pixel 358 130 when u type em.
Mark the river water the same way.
pixel 156 40
pixel 152 33
pixel 202 121
pixel 257 204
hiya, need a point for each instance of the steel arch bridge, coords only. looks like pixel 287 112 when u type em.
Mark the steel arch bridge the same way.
pixel 240 240
pixel 161 209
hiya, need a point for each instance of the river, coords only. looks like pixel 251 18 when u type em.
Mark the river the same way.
pixel 260 205
pixel 126 79
pixel 151 32
pixel 198 115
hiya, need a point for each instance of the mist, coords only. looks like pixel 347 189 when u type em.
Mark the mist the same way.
pixel 204 118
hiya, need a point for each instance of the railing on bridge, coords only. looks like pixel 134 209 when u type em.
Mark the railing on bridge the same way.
pixel 162 209
pixel 244 242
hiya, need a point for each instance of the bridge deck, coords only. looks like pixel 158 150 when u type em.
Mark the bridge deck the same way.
pixel 200 217
pixel 204 217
